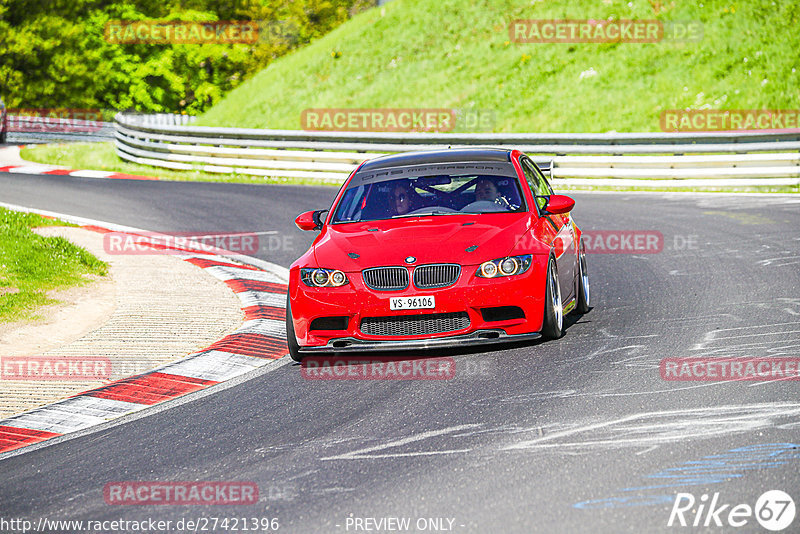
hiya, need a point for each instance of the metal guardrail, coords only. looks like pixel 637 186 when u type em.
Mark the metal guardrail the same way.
pixel 164 119
pixel 330 156
pixel 30 129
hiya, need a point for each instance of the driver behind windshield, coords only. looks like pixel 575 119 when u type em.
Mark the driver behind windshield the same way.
pixel 486 190
pixel 400 199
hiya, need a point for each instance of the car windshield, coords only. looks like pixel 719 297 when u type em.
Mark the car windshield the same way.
pixel 428 194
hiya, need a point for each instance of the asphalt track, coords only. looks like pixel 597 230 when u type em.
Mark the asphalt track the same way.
pixel 571 435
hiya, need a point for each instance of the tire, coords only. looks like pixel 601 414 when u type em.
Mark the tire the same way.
pixel 553 306
pixel 291 339
pixel 584 297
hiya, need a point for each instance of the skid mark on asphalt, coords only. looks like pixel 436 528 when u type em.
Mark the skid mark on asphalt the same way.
pixel 781 261
pixel 367 452
pixel 732 202
pixel 668 426
pixel 649 449
pixel 528 397
pixel 645 431
pixel 721 335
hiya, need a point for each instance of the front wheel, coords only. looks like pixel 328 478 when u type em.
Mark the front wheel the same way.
pixel 584 301
pixel 291 339
pixel 553 310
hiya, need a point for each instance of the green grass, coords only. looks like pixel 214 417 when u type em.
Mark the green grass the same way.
pixel 457 54
pixel 102 157
pixel 32 265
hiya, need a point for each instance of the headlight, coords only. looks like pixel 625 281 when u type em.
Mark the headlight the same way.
pixel 509 266
pixel 323 277
pixel 505 266
pixel 488 270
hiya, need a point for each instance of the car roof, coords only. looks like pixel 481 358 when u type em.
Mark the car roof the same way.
pixel 456 155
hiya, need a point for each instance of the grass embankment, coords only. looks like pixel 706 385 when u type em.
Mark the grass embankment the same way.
pixel 32 265
pixel 458 54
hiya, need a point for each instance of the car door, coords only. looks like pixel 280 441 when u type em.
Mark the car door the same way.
pixel 557 230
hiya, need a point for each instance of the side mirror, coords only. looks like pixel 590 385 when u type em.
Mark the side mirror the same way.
pixel 559 204
pixel 310 220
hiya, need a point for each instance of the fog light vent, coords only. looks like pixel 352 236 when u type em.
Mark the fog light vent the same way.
pixel 329 323
pixel 502 313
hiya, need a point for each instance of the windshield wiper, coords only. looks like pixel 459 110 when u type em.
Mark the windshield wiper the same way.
pixel 425 214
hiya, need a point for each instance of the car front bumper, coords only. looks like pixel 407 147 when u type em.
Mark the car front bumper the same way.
pixel 470 294
pixel 479 337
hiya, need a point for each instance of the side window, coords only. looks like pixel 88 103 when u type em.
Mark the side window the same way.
pixel 546 184
pixel 543 185
pixel 536 182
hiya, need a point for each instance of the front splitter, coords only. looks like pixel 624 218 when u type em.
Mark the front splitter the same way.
pixel 479 337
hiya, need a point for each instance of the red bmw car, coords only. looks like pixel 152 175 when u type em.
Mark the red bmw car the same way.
pixel 447 247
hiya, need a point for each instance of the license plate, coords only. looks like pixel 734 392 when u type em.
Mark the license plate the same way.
pixel 412 303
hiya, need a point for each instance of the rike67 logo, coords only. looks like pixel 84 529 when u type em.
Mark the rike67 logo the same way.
pixel 774 510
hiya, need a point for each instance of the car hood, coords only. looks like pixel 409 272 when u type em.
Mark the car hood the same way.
pixel 432 239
